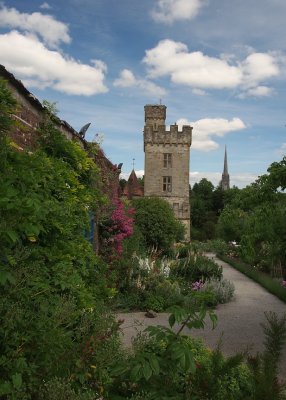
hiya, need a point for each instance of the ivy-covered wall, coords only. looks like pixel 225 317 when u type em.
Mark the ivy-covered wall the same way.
pixel 29 114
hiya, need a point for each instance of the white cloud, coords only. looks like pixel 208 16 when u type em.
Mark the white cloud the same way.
pixel 45 6
pixel 168 11
pixel 43 67
pixel 47 27
pixel 173 59
pixel 127 80
pixel 240 180
pixel 258 91
pixel 205 129
pixel 258 67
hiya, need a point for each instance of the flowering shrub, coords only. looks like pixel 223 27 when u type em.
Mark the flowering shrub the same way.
pixel 283 284
pixel 146 267
pixel 119 227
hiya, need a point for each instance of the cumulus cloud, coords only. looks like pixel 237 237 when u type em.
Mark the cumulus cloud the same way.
pixel 42 67
pixel 258 67
pixel 168 11
pixel 127 80
pixel 195 69
pixel 258 91
pixel 205 129
pixel 51 31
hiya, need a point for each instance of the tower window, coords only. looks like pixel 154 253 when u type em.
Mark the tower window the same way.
pixel 167 160
pixel 167 183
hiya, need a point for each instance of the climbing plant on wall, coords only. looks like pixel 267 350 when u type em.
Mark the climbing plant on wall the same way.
pixel 51 282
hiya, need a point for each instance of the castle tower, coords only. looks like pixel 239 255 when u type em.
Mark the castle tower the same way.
pixel 167 162
pixel 225 175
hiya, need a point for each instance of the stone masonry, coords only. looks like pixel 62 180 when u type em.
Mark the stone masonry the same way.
pixel 167 162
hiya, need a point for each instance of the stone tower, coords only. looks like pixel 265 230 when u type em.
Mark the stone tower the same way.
pixel 225 175
pixel 167 162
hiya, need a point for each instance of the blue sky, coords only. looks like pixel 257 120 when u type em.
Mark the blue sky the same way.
pixel 218 65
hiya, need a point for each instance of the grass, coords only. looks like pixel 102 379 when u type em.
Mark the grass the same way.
pixel 264 280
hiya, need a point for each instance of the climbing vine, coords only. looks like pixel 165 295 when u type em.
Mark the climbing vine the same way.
pixel 52 285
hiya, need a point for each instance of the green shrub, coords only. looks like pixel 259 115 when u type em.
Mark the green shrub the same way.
pixel 196 267
pixel 217 246
pixel 154 302
pixel 170 292
pixel 130 300
pixel 60 389
pixel 156 220
pixel 223 290
pixel 218 377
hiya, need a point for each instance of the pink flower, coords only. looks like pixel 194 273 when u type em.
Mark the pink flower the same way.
pixel 198 285
pixel 122 226
pixel 283 284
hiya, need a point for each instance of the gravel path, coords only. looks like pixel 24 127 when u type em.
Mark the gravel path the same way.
pixel 238 321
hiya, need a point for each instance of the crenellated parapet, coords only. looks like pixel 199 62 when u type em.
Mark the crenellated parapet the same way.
pixel 159 135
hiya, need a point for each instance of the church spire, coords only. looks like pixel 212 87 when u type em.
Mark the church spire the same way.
pixel 225 174
pixel 225 168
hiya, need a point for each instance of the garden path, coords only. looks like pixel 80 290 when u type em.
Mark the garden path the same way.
pixel 238 321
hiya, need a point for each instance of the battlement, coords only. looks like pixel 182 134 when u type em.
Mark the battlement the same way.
pixel 159 135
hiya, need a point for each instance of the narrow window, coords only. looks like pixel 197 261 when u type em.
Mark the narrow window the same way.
pixel 167 183
pixel 167 160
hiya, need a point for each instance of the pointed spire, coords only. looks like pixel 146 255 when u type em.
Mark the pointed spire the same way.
pixel 225 168
pixel 225 175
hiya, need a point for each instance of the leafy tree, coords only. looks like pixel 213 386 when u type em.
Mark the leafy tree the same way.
pixel 157 223
pixel 255 217
pixel 231 224
pixel 206 204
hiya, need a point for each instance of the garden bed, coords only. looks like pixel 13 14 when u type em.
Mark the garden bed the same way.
pixel 272 286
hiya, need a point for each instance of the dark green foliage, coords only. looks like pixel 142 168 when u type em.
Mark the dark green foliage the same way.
pixel 265 365
pixel 60 389
pixel 162 364
pixel 53 320
pixel 154 302
pixel 218 377
pixel 255 217
pixel 206 205
pixel 196 267
pixel 157 223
